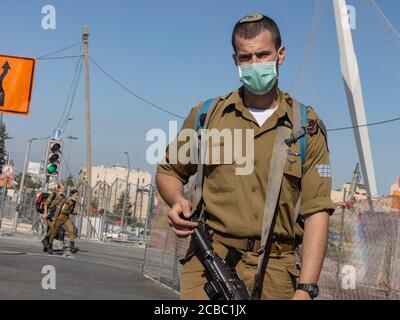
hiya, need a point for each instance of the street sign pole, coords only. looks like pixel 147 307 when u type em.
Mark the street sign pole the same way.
pixel 21 187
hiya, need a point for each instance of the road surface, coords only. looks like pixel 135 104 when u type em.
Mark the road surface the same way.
pixel 99 271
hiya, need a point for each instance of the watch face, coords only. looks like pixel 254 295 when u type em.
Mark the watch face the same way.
pixel 311 289
pixel 314 292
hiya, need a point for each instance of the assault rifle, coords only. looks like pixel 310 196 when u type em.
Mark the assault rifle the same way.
pixel 223 281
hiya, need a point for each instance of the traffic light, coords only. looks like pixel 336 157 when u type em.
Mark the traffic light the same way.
pixel 53 158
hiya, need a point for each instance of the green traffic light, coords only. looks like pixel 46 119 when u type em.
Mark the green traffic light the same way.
pixel 52 169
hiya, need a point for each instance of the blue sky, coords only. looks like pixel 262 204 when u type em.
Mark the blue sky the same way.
pixel 175 53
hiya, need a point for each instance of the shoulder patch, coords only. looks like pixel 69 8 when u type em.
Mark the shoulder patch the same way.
pixel 315 124
pixel 312 127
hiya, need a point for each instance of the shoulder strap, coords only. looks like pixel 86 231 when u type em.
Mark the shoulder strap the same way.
pixel 300 127
pixel 203 118
pixel 53 196
pixel 203 111
pixel 303 140
pixel 300 118
pixel 275 178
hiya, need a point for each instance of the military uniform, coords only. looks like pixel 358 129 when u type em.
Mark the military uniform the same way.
pixel 235 204
pixel 63 218
pixel 52 203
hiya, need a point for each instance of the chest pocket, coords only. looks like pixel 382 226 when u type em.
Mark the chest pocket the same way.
pixel 293 170
pixel 220 171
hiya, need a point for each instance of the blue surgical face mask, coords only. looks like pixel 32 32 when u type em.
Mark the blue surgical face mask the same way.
pixel 259 78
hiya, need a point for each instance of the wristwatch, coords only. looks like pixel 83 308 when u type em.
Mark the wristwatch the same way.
pixel 311 289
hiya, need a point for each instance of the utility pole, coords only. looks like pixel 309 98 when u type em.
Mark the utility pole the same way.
pixel 149 208
pixel 126 192
pixel 136 194
pixel 21 187
pixel 141 204
pixel 85 38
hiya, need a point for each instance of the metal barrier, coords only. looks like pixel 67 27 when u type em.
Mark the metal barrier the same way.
pixel 163 249
pixel 29 220
pixel 104 221
pixel 362 260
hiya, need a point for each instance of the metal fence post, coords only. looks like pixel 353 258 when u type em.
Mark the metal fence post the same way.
pixel 83 197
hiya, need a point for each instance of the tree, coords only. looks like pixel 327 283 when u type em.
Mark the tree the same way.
pixel 119 206
pixel 29 182
pixel 3 137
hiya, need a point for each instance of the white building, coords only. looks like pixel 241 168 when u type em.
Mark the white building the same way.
pixel 112 182
pixel 360 194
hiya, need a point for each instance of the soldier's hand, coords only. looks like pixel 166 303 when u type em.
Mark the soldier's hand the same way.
pixel 301 295
pixel 176 219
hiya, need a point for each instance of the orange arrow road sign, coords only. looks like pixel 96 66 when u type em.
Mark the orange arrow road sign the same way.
pixel 16 83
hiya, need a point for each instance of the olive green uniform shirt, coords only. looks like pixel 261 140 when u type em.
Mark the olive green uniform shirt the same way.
pixel 67 208
pixel 234 203
pixel 54 200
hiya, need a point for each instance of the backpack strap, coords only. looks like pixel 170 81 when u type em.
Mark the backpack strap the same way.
pixel 203 118
pixel 300 119
pixel 303 140
pixel 300 128
pixel 203 111
pixel 53 196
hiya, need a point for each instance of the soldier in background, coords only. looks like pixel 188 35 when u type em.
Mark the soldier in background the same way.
pixel 62 218
pixel 53 202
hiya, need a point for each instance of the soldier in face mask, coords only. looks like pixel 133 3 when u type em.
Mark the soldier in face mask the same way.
pixel 63 219
pixel 255 220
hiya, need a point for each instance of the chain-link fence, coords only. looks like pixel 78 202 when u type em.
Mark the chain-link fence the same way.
pixel 29 220
pixel 102 220
pixel 105 219
pixel 362 260
pixel 163 249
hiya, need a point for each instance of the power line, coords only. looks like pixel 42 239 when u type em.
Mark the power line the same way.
pixel 58 51
pixel 64 125
pixel 365 125
pixel 78 70
pixel 134 94
pixel 57 58
pixel 72 91
pixel 66 164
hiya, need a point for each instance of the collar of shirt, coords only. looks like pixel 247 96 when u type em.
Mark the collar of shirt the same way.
pixel 235 99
